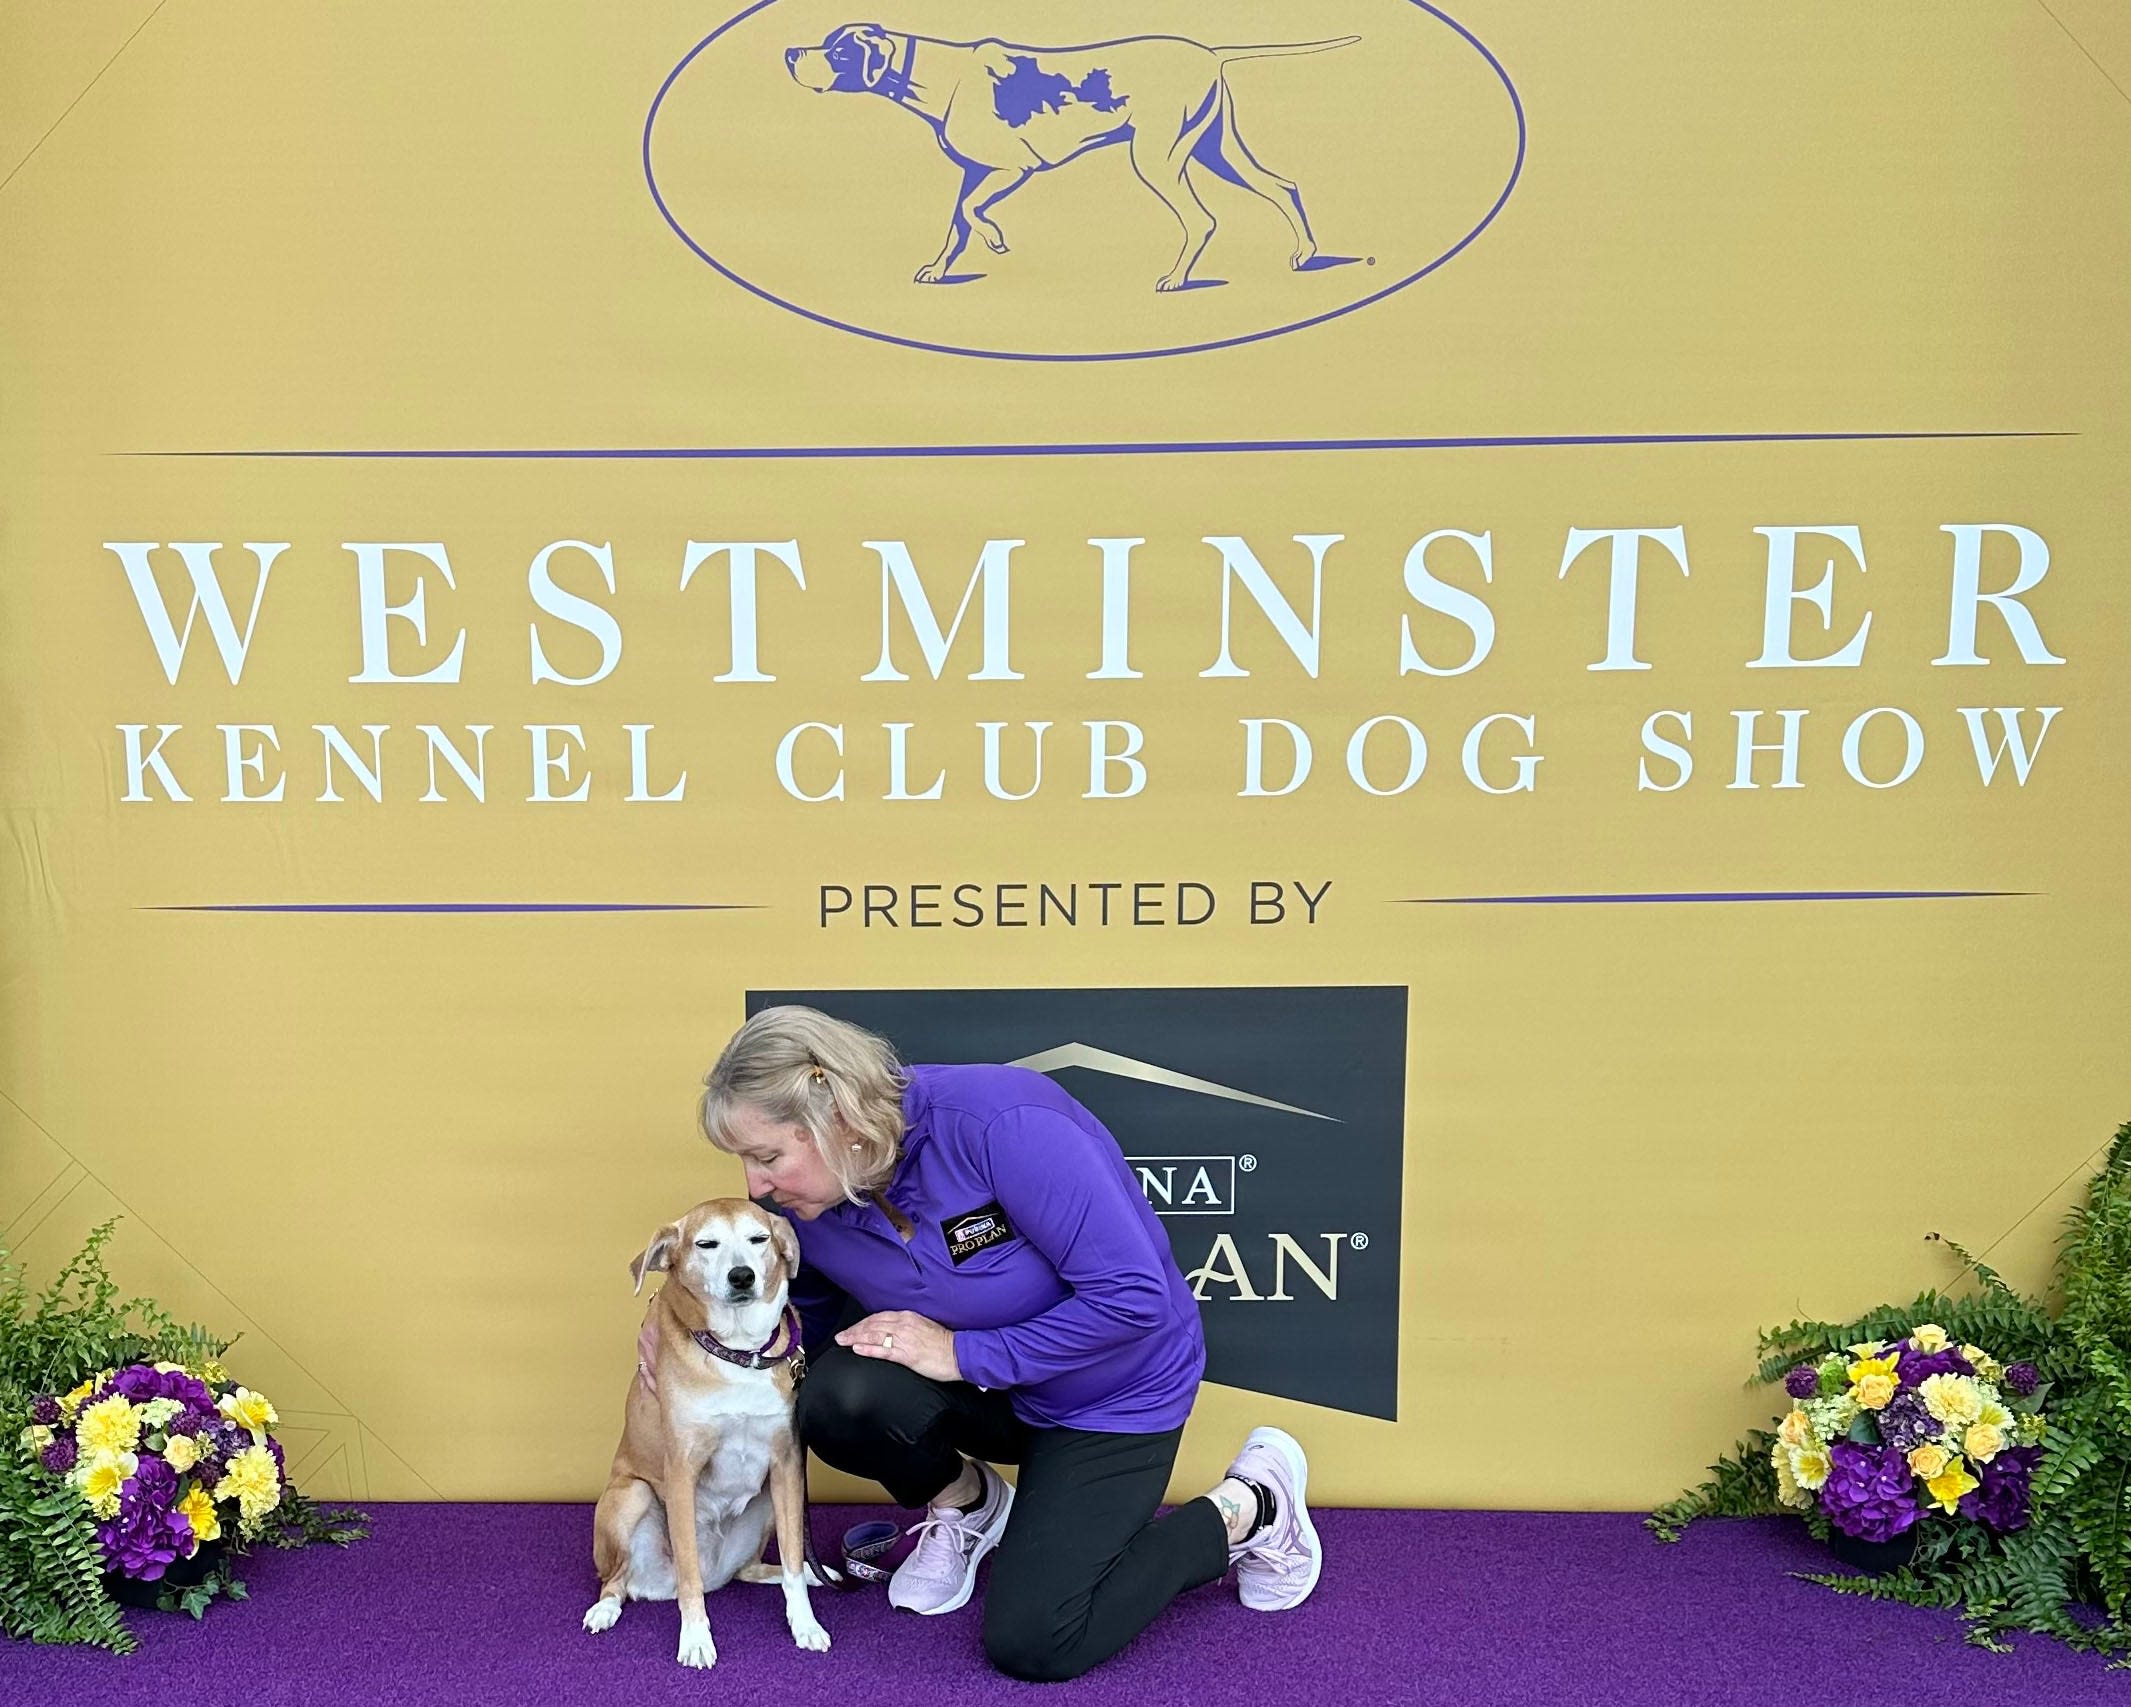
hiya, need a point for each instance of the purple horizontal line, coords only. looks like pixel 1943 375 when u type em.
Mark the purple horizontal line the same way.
pixel 1709 895
pixel 463 907
pixel 1211 447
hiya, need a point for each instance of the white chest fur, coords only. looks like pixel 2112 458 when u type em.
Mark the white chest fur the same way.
pixel 749 1419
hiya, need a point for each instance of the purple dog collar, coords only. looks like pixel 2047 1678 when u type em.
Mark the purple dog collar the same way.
pixel 873 1550
pixel 766 1357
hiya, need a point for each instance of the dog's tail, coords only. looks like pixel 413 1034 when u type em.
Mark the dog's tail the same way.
pixel 1274 50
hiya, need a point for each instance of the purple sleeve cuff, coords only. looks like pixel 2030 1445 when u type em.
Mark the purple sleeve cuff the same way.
pixel 982 1359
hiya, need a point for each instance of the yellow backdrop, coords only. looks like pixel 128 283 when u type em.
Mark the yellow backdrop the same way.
pixel 1719 253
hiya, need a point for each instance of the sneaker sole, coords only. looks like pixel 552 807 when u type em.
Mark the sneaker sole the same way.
pixel 976 1558
pixel 1290 1449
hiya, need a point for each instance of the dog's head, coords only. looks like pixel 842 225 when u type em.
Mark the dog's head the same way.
pixel 852 60
pixel 726 1251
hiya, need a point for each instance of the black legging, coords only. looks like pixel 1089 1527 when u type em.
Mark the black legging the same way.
pixel 1081 1570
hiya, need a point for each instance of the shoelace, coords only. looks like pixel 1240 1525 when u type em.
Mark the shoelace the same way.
pixel 960 1524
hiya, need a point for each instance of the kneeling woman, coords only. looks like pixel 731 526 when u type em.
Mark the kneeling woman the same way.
pixel 1008 1298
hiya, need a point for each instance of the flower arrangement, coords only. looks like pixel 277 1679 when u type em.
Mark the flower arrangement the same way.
pixel 1883 1436
pixel 167 1458
pixel 129 1456
pixel 1902 1427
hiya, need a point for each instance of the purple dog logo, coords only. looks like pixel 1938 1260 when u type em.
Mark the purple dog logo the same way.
pixel 1003 112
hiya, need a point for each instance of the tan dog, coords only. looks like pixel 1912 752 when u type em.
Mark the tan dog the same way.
pixel 704 1464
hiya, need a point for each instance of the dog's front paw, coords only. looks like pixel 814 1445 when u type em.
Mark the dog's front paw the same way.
pixel 1171 281
pixel 931 274
pixel 697 1649
pixel 1301 258
pixel 601 1614
pixel 809 1634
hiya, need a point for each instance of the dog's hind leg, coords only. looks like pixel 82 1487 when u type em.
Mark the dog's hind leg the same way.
pixel 621 1508
pixel 1223 150
pixel 1165 176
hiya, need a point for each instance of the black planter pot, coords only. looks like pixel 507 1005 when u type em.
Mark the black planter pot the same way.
pixel 1874 1558
pixel 179 1573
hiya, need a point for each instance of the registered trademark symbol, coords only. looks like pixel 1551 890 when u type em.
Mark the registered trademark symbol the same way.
pixel 1372 260
pixel 1358 1241
pixel 1249 1164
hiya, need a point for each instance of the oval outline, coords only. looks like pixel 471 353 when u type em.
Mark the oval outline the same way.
pixel 1516 172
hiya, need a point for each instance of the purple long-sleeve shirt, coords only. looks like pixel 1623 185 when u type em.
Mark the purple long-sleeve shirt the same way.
pixel 1033 1243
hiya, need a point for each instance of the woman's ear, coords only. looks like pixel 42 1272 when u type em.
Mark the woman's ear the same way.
pixel 786 1238
pixel 657 1256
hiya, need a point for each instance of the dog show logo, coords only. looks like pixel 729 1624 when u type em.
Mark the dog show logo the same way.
pixel 1266 1128
pixel 1125 160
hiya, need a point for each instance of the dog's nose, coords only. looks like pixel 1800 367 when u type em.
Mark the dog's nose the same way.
pixel 740 1279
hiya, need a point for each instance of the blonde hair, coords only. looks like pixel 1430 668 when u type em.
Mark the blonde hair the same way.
pixel 841 1082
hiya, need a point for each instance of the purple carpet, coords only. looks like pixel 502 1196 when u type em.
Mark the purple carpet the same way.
pixel 457 1604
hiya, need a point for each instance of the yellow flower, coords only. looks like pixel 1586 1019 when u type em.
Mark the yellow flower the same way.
pixel 1867 1348
pixel 1995 1415
pixel 1929 1337
pixel 1809 1465
pixel 1987 1367
pixel 252 1481
pixel 69 1403
pixel 110 1425
pixel 212 1371
pixel 1952 1399
pixel 102 1477
pixel 199 1511
pixel 1795 1429
pixel 1950 1484
pixel 180 1453
pixel 1928 1461
pixel 36 1438
pixel 1874 1391
pixel 169 1368
pixel 1982 1442
pixel 1869 1366
pixel 1787 1488
pixel 248 1410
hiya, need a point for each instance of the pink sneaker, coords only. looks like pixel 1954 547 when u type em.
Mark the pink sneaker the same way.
pixel 1277 1567
pixel 941 1574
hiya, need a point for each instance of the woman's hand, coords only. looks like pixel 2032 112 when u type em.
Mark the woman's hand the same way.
pixel 647 1353
pixel 899 1336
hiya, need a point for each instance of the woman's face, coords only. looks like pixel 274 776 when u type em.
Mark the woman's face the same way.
pixel 783 1164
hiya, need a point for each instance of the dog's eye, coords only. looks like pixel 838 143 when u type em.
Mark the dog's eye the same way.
pixel 706 1244
pixel 759 1239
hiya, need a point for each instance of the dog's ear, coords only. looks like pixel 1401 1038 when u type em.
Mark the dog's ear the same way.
pixel 880 52
pixel 656 1256
pixel 786 1239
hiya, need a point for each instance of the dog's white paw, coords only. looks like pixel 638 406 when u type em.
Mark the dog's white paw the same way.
pixel 809 1635
pixel 697 1649
pixel 601 1614
pixel 930 275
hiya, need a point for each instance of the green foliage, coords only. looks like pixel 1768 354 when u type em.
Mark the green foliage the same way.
pixel 2068 1573
pixel 51 1568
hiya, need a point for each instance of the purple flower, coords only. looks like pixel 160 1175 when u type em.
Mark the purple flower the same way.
pixel 2022 1378
pixel 1999 1500
pixel 1917 1366
pixel 1802 1382
pixel 1906 1422
pixel 1868 1492
pixel 140 1383
pixel 147 1534
pixel 44 1409
pixel 60 1455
